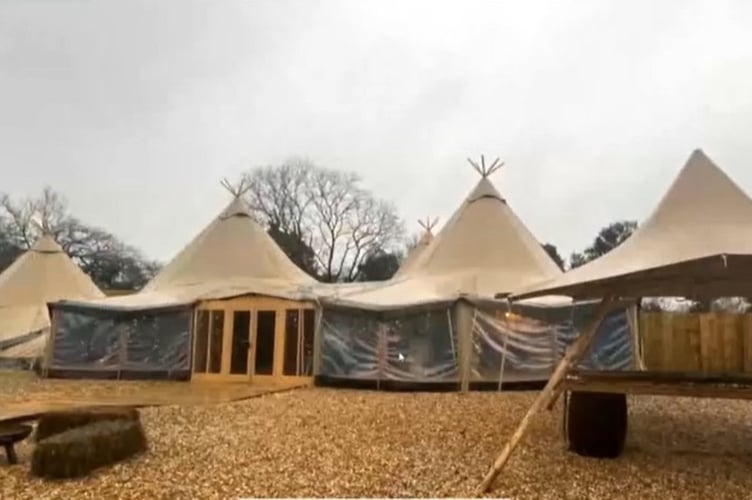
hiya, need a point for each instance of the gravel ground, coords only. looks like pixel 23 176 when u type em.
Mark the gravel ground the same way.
pixel 325 442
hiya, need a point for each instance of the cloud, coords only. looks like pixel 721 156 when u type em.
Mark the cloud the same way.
pixel 136 110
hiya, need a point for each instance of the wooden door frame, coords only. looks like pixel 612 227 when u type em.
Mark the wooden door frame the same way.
pixel 254 304
pixel 227 344
pixel 206 376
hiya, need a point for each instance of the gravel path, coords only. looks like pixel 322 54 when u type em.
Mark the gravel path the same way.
pixel 326 442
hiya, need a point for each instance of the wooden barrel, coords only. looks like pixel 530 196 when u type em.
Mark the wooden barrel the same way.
pixel 596 423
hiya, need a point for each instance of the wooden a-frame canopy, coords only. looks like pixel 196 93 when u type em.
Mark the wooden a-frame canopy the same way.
pixel 697 242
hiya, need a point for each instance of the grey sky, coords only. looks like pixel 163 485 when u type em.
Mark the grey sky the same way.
pixel 135 110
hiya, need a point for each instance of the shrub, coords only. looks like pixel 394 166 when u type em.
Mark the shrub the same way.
pixel 55 422
pixel 78 451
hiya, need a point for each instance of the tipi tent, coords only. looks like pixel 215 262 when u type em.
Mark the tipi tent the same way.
pixel 233 255
pixel 220 253
pixel 42 274
pixel 149 333
pixel 414 253
pixel 483 246
pixel 698 238
pixel 442 307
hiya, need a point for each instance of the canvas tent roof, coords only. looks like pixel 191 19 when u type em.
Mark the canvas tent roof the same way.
pixel 484 247
pixel 484 237
pixel 425 239
pixel 697 242
pixel 232 246
pixel 232 256
pixel 43 274
pixel 40 275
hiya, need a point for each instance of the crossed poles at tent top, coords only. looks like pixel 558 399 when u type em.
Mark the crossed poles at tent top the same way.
pixel 428 224
pixel 238 190
pixel 484 170
pixel 244 185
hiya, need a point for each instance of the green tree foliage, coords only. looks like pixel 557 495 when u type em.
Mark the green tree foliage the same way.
pixel 553 252
pixel 607 239
pixel 379 266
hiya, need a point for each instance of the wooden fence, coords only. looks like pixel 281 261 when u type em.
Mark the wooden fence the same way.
pixel 697 342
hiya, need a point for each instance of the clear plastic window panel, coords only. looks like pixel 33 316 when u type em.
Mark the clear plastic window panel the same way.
pixel 349 344
pixel 419 347
pixel 147 342
pixel 85 342
pixel 158 342
pixel 612 347
pixel 511 347
pixel 525 344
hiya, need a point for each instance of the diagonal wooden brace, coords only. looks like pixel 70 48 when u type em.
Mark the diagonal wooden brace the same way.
pixel 559 388
pixel 571 357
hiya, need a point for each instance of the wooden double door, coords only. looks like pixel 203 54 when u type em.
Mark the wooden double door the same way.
pixel 266 341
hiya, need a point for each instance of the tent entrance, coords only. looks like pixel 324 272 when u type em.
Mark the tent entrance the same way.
pixel 264 343
pixel 241 343
pixel 254 339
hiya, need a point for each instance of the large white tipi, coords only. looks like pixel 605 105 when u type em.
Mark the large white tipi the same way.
pixel 484 248
pixel 233 255
pixel 698 239
pixel 41 275
pixel 232 248
pixel 230 273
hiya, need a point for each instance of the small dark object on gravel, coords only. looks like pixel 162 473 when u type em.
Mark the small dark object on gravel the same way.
pixel 9 436
pixel 596 424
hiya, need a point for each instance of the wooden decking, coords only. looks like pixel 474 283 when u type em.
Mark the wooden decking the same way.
pixel 56 395
pixel 657 383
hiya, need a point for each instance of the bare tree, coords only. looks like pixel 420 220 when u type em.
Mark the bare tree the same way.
pixel 327 210
pixel 412 242
pixel 109 262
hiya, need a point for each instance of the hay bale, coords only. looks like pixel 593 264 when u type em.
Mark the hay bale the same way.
pixel 596 424
pixel 55 422
pixel 78 451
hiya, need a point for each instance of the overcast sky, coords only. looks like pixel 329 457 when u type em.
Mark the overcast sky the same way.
pixel 135 110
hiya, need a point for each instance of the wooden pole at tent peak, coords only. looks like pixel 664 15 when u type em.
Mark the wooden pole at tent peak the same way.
pixel 428 224
pixel 573 354
pixel 239 190
pixel 482 169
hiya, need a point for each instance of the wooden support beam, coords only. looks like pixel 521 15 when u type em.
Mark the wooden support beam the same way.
pixel 638 382
pixel 559 388
pixel 573 354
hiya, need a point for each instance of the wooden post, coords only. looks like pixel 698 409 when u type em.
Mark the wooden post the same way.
pixel 633 320
pixel 573 354
pixel 464 329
